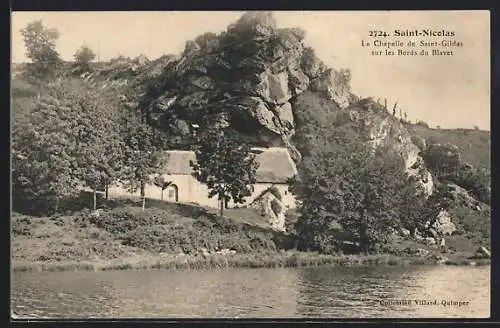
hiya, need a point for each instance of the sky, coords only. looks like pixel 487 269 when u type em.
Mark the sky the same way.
pixel 445 91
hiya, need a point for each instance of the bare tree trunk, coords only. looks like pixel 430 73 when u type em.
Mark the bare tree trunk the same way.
pixel 56 208
pixel 94 199
pixel 107 190
pixel 143 196
pixel 162 194
pixel 221 206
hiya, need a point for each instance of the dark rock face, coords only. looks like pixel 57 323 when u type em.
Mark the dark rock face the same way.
pixel 251 72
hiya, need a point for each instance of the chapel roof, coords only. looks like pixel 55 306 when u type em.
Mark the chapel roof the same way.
pixel 275 164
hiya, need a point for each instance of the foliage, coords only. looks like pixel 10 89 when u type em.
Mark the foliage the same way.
pixel 348 186
pixel 419 142
pixel 83 56
pixel 475 225
pixel 43 161
pixel 143 157
pixel 40 43
pixel 446 163
pixel 442 158
pixel 224 163
pixel 413 207
pixel 68 139
pixel 160 231
pixel 422 123
pixel 476 180
pixel 313 116
pixel 206 39
pixel 474 145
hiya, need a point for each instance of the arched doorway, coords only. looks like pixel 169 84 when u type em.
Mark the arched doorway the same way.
pixel 172 193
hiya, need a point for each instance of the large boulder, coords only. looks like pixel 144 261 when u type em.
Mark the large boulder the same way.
pixel 285 115
pixel 259 24
pixel 258 110
pixel 298 81
pixel 334 85
pixel 273 88
pixel 272 208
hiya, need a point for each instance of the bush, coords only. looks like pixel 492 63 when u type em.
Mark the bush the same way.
pixel 161 231
pixel 275 192
pixel 422 123
pixel 21 226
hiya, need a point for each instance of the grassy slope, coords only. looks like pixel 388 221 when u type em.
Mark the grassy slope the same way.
pixel 474 145
pixel 123 229
pixel 172 236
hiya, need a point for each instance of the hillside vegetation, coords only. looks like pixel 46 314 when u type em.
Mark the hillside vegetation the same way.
pixel 474 145
pixel 367 181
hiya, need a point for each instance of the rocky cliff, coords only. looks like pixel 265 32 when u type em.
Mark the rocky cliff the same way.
pixel 249 78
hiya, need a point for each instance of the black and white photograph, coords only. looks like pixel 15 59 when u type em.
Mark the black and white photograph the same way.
pixel 250 164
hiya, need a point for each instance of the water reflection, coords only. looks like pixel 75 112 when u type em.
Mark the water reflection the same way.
pixel 254 293
pixel 392 292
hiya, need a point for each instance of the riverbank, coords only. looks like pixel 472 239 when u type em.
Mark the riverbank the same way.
pixel 220 262
pixel 188 237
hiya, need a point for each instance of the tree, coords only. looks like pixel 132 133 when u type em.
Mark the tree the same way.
pixel 44 168
pixel 163 184
pixel 224 163
pixel 344 182
pixel 142 155
pixel 100 151
pixel 413 206
pixel 40 45
pixel 70 139
pixel 83 57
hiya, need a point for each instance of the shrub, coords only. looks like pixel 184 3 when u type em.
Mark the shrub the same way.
pixel 275 192
pixel 422 123
pixel 21 227
pixel 160 231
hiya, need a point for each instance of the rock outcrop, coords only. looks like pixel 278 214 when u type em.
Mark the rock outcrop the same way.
pixel 247 78
pixel 379 129
pixel 463 198
pixel 483 252
pixel 272 208
pixel 252 71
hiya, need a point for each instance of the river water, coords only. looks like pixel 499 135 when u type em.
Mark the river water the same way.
pixel 325 292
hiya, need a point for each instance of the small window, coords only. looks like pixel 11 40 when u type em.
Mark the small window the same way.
pixel 286 192
pixel 252 189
